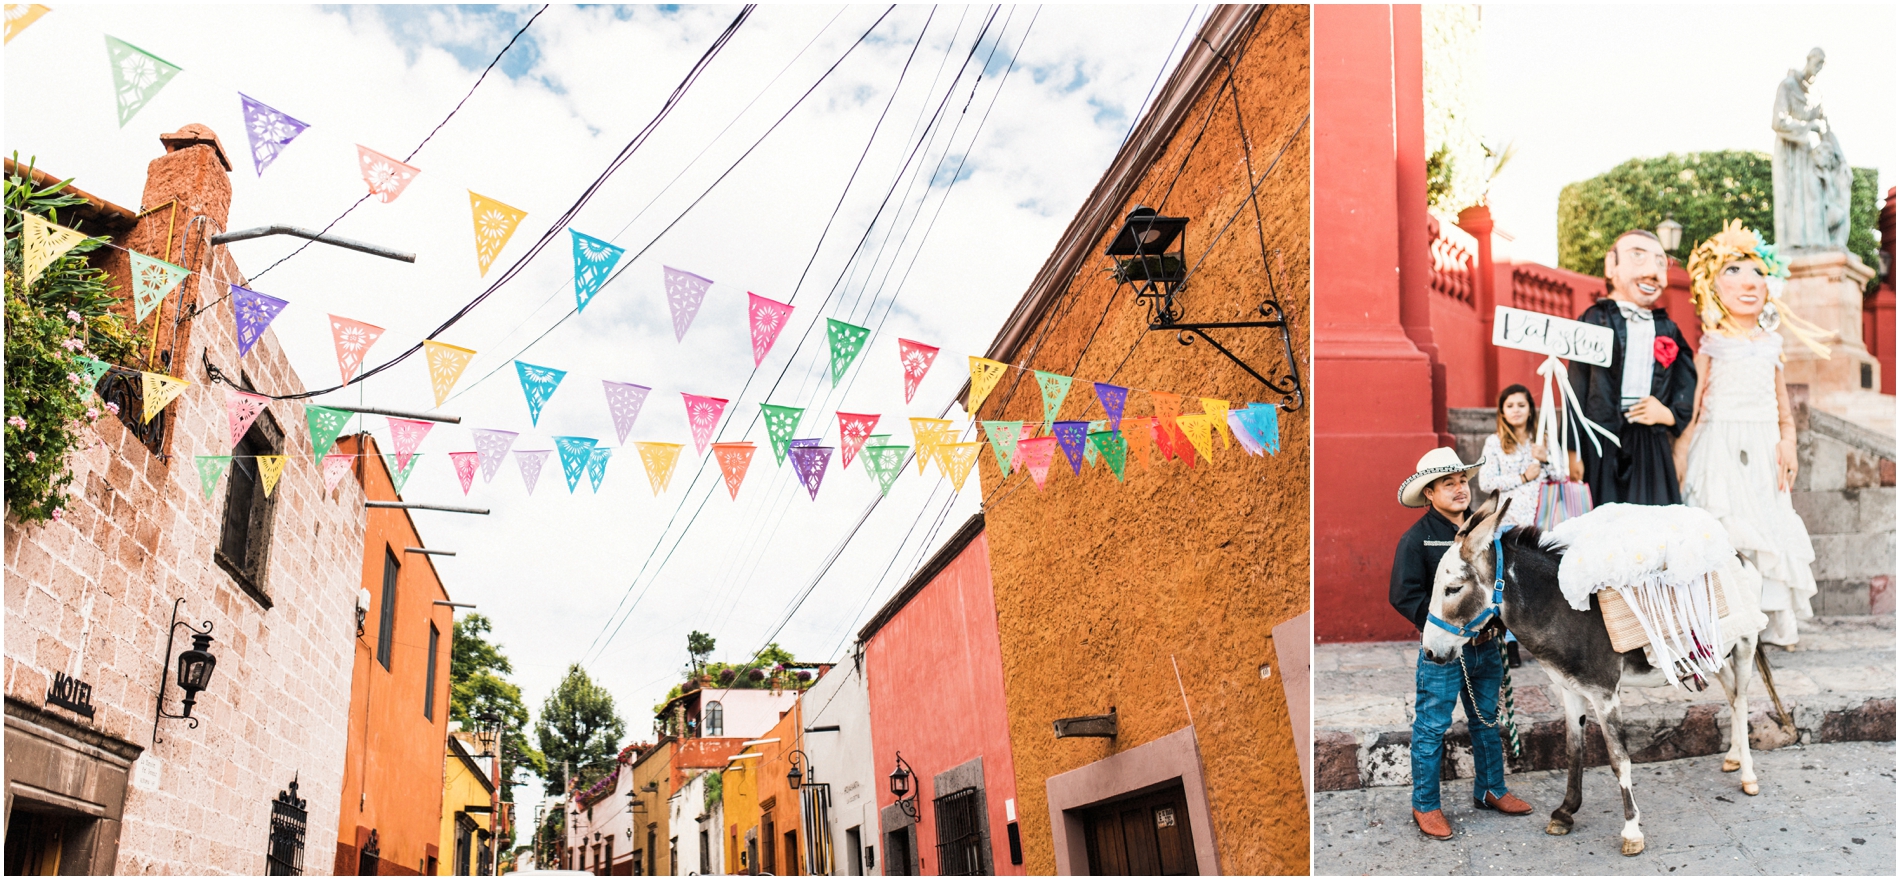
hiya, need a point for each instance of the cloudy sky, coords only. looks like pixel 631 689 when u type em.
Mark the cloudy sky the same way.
pixel 550 568
pixel 1581 89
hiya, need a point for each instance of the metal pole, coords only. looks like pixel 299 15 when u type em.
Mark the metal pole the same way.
pixel 379 411
pixel 427 552
pixel 300 232
pixel 410 505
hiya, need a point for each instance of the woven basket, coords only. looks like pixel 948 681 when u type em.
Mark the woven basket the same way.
pixel 1626 634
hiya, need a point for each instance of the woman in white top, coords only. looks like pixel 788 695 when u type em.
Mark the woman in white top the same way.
pixel 1514 467
pixel 1741 459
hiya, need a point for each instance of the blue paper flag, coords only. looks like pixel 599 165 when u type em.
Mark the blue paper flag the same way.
pixel 576 453
pixel 1074 440
pixel 597 465
pixel 594 260
pixel 538 383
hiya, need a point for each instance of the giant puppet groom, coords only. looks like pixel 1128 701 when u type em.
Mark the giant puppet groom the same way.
pixel 1647 393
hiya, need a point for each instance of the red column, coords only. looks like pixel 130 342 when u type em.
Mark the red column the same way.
pixel 1372 399
pixel 1477 221
pixel 1415 237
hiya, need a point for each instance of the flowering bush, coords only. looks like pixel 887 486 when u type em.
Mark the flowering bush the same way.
pixel 65 314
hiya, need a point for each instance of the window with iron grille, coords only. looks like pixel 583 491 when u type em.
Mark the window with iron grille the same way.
pixel 386 632
pixel 288 821
pixel 244 539
pixel 428 691
pixel 126 388
pixel 960 833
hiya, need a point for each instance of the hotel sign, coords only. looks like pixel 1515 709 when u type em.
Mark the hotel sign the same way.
pixel 70 693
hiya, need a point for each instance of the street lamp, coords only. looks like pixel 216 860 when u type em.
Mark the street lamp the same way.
pixel 490 738
pixel 796 777
pixel 194 669
pixel 900 787
pixel 1669 232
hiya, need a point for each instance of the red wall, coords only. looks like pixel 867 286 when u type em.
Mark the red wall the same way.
pixel 935 673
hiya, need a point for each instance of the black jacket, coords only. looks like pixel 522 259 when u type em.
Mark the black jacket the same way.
pixel 1415 563
pixel 1642 470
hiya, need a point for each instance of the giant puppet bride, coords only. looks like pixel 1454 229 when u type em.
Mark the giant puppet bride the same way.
pixel 1741 458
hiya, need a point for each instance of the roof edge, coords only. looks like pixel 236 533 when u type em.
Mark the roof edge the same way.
pixel 938 561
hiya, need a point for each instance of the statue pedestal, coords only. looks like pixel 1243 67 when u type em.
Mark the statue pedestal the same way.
pixel 1825 287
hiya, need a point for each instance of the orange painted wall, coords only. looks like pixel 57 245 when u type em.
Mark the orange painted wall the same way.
pixel 774 790
pixel 392 775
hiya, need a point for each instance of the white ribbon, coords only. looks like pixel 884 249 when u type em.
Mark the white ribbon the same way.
pixel 1559 422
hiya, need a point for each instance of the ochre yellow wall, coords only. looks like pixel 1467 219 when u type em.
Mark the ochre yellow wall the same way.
pixel 740 796
pixel 460 789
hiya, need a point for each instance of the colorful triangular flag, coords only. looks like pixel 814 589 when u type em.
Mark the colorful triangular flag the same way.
pixel 530 461
pixel 137 75
pixel 492 446
pixel 575 451
pixel 466 463
pixel 702 413
pixel 43 243
pixel 270 130
pixel 1038 453
pixel 158 390
pixel 929 434
pixel 253 312
pixel 1055 389
pixel 19 15
pixel 659 458
pixel 853 430
pixel 597 466
pixel 1113 447
pixel 399 476
pixel 958 458
pixel 917 358
pixel 846 341
pixel 1003 439
pixel 1073 438
pixel 734 459
pixel 781 422
pixel 210 470
pixel 1200 433
pixel 353 339
pixel 326 425
pixel 886 462
pixel 684 292
pixel 808 462
pixel 95 369
pixel 984 374
pixel 624 400
pixel 335 468
pixel 269 469
pixel 387 177
pixel 241 409
pixel 768 320
pixel 1139 433
pixel 1089 454
pixel 1114 398
pixel 538 384
pixel 405 435
pixel 495 223
pixel 594 260
pixel 446 363
pixel 152 280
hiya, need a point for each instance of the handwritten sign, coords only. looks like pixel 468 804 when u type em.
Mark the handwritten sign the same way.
pixel 1551 335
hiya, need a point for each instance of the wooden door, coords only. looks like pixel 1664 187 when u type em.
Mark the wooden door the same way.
pixel 1143 835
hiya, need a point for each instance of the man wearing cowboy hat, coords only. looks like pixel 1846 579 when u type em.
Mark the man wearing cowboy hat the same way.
pixel 1441 484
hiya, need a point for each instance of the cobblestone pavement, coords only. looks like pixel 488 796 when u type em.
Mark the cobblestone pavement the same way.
pixel 1823 809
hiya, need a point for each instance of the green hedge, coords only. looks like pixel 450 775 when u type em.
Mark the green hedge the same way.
pixel 1701 191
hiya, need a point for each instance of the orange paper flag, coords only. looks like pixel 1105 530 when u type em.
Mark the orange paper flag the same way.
pixel 734 459
pixel 387 177
pixel 353 339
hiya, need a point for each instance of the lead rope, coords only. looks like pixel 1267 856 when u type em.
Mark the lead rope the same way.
pixel 1507 718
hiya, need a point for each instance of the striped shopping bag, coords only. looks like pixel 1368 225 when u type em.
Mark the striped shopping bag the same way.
pixel 1559 501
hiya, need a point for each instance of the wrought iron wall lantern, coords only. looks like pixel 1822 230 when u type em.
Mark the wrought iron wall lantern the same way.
pixel 901 788
pixel 1150 254
pixel 796 777
pixel 1669 233
pixel 194 669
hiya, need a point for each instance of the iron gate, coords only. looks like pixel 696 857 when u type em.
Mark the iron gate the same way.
pixel 288 821
pixel 960 833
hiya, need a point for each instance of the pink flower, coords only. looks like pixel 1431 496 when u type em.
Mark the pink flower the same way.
pixel 59 513
pixel 92 412
pixel 17 422
pixel 112 408
pixel 73 378
pixel 32 456
pixel 73 316
pixel 74 344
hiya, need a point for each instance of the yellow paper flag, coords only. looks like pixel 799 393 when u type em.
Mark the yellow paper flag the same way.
pixel 19 15
pixel 42 243
pixel 270 467
pixel 1217 410
pixel 659 459
pixel 958 458
pixel 446 363
pixel 158 390
pixel 929 434
pixel 494 224
pixel 1200 432
pixel 984 374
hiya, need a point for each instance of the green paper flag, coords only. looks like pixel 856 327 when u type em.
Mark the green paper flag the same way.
pixel 137 75
pixel 846 341
pixel 780 423
pixel 95 369
pixel 1003 437
pixel 873 440
pixel 1113 447
pixel 210 470
pixel 400 475
pixel 1089 454
pixel 326 425
pixel 885 462
pixel 1054 389
pixel 152 280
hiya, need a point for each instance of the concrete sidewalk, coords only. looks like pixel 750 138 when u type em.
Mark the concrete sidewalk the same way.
pixel 1839 686
pixel 1823 809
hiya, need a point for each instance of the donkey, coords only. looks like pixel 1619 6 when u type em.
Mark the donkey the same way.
pixel 1513 576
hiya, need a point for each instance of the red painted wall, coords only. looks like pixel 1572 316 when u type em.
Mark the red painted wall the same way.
pixel 935 673
pixel 1372 386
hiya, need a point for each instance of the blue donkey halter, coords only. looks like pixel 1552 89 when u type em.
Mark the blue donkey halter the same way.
pixel 1477 625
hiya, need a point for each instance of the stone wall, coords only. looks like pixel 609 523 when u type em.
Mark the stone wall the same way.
pixel 92 594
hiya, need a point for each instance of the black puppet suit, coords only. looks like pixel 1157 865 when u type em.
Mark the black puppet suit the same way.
pixel 1643 469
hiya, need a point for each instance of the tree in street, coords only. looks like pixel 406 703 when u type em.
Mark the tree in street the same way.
pixel 700 646
pixel 478 688
pixel 579 728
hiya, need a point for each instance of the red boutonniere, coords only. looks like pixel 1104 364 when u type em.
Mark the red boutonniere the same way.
pixel 1666 351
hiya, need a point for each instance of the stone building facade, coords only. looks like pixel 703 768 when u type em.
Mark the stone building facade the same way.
pixel 92 596
pixel 1104 589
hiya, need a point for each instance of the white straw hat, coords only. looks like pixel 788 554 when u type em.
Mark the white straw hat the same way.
pixel 1435 464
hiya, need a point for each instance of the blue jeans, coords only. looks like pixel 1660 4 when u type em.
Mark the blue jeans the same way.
pixel 1440 687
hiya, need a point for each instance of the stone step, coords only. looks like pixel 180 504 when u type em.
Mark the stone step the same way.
pixel 1838 686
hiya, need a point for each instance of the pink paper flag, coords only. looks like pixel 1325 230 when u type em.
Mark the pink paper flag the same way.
pixel 335 467
pixel 684 292
pixel 623 402
pixel 404 436
pixel 353 339
pixel 492 446
pixel 387 178
pixel 853 430
pixel 243 408
pixel 768 318
pixel 465 465
pixel 1038 452
pixel 703 413
pixel 530 461
pixel 734 458
pixel 917 359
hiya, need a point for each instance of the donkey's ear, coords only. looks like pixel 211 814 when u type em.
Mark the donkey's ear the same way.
pixel 1505 509
pixel 1475 517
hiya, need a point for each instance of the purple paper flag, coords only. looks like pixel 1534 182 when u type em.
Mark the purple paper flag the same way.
pixel 1074 437
pixel 1114 398
pixel 808 462
pixel 254 312
pixel 623 401
pixel 530 461
pixel 684 292
pixel 796 444
pixel 270 130
pixel 492 446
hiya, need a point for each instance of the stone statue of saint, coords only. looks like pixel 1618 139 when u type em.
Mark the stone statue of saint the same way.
pixel 1812 178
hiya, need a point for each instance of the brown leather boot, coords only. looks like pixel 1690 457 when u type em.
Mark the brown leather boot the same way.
pixel 1509 804
pixel 1433 824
